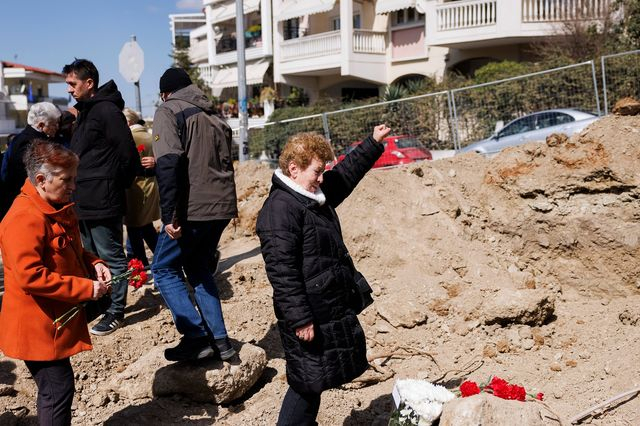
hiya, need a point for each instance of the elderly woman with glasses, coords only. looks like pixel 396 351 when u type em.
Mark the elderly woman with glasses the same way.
pixel 42 121
pixel 46 274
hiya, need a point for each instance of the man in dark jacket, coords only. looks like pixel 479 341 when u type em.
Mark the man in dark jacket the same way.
pixel 42 123
pixel 194 170
pixel 109 162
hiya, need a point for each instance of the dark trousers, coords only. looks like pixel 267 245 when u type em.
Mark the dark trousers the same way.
pixel 137 236
pixel 104 239
pixel 299 409
pixel 55 390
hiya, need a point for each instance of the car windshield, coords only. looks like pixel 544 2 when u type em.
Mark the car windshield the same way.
pixel 409 142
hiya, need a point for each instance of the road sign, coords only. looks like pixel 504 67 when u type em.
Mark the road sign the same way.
pixel 131 61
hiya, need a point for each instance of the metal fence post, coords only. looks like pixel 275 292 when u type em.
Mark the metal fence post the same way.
pixel 604 85
pixel 325 125
pixel 452 126
pixel 595 86
pixel 456 132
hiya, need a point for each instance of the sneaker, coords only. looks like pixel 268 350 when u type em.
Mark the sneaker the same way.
pixel 107 325
pixel 225 349
pixel 190 349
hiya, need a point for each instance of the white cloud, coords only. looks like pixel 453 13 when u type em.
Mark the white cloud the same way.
pixel 189 4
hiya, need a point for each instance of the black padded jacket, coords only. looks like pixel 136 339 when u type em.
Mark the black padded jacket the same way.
pixel 311 272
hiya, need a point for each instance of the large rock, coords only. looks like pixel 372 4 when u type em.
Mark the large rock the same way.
pixel 401 311
pixel 486 409
pixel 208 380
pixel 510 306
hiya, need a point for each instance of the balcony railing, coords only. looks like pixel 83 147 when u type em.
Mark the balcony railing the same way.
pixel 365 41
pixel 466 14
pixel 323 44
pixel 563 10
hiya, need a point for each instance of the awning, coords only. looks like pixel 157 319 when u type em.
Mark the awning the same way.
pixel 227 11
pixel 228 77
pixel 296 8
pixel 386 6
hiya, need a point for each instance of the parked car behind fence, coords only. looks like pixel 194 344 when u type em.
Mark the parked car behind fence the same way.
pixel 398 150
pixel 533 127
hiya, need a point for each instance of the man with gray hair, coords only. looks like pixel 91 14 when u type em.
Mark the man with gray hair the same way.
pixel 42 123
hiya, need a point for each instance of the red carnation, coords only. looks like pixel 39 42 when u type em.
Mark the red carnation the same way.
pixel 539 396
pixel 500 388
pixel 469 388
pixel 140 148
pixel 135 265
pixel 518 393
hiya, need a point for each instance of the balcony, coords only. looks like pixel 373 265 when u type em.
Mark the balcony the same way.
pixel 318 53
pixel 480 23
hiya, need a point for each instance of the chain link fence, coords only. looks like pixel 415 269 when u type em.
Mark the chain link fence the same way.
pixel 456 118
pixel 620 77
pixel 478 108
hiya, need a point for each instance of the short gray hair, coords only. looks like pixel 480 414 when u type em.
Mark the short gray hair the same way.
pixel 48 158
pixel 43 112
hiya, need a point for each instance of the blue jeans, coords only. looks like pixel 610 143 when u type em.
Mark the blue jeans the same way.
pixel 138 235
pixel 104 239
pixel 191 253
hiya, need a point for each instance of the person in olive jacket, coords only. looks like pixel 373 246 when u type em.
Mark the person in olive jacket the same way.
pixel 109 162
pixel 311 271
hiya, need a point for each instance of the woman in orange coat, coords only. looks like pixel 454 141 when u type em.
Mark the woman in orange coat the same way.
pixel 45 270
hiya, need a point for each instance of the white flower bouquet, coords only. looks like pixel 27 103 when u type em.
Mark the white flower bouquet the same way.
pixel 418 402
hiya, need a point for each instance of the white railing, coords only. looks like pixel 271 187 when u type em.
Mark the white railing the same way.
pixel 563 10
pixel 365 41
pixel 315 45
pixel 206 73
pixel 466 14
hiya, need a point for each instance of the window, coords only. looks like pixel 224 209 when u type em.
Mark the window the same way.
pixel 525 124
pixel 335 22
pixel 291 28
pixel 406 17
pixel 549 119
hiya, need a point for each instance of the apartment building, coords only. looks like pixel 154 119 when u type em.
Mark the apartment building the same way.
pixel 20 87
pixel 351 49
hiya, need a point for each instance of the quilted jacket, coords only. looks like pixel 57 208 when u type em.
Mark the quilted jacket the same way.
pixel 311 272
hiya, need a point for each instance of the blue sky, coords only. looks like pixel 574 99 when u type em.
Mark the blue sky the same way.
pixel 49 34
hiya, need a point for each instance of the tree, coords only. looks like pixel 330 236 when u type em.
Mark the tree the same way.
pixel 180 56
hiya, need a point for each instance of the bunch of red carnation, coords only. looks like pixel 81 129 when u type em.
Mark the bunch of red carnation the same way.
pixel 498 387
pixel 138 274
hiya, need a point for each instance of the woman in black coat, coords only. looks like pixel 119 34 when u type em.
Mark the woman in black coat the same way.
pixel 311 271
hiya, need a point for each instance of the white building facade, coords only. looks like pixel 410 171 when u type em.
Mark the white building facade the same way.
pixel 351 49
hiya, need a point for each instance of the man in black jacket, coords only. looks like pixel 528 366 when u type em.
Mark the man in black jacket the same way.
pixel 109 162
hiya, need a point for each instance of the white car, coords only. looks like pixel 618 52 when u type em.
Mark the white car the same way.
pixel 533 127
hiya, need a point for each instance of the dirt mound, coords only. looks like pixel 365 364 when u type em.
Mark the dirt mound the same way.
pixel 627 106
pixel 525 266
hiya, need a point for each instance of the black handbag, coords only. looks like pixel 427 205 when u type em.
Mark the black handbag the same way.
pixel 360 297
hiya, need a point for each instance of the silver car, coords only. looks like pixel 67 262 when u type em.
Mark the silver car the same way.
pixel 533 127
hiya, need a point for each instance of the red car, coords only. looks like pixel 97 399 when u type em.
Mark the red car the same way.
pixel 398 150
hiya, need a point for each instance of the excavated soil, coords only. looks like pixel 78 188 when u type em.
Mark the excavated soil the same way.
pixel 446 245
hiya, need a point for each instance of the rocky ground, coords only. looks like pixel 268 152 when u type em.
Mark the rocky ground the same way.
pixel 525 266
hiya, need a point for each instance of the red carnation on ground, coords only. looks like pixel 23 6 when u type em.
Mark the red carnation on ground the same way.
pixel 469 388
pixel 518 393
pixel 540 396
